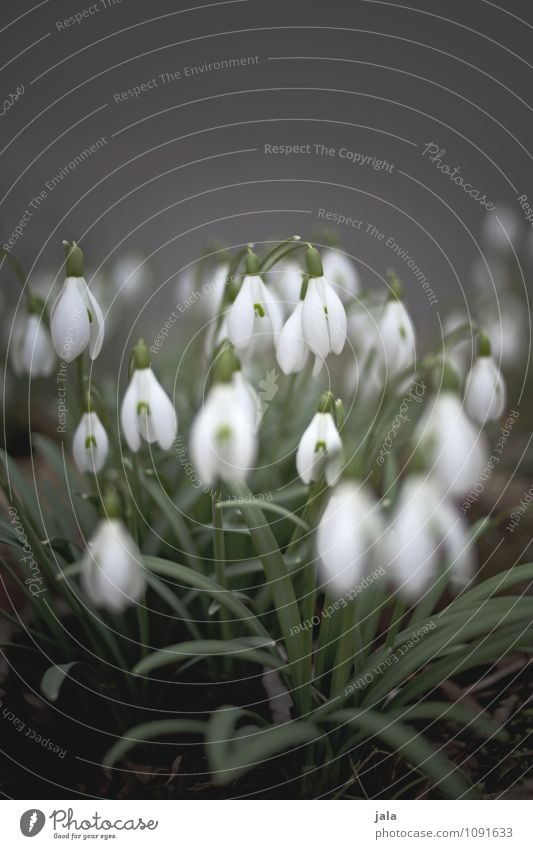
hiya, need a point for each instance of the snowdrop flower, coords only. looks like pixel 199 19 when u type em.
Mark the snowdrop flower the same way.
pixel 147 411
pixel 347 537
pixel 502 230
pixel 32 352
pixel 485 393
pixel 323 315
pixel 426 529
pixel 255 313
pixel 111 572
pixel 76 320
pixel 320 449
pixel 340 271
pixel 363 375
pixel 90 445
pixel 458 354
pixel 130 275
pixel 449 442
pixel 292 350
pixel 506 325
pixel 397 335
pixel 247 397
pixel 223 441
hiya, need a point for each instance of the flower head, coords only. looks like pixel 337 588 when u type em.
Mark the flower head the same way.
pixel 255 314
pixel 76 320
pixel 485 393
pixel 348 537
pixel 147 411
pixel 397 335
pixel 320 449
pixel 223 434
pixel 454 448
pixel 426 529
pixel 323 316
pixel 32 351
pixel 90 445
pixel 111 573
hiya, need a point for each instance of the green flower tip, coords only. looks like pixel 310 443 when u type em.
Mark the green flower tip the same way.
pixel 326 403
pixel 252 262
pixel 111 504
pixel 483 345
pixel 141 355
pixel 395 286
pixel 449 378
pixel 74 255
pixel 314 262
pixel 35 305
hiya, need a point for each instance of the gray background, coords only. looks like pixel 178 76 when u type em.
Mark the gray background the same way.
pixel 381 79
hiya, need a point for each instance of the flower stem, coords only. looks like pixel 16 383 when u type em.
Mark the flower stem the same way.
pixel 219 552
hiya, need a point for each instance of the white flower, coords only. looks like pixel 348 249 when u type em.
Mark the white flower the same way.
pixel 320 451
pixel 340 271
pixel 147 411
pixel 323 320
pixel 32 352
pixel 397 337
pixel 485 393
pixel 362 374
pixel 426 529
pixel 347 537
pixel 246 396
pixel 111 572
pixel 90 445
pixel 76 321
pixel 254 314
pixel 501 231
pixel 456 450
pixel 223 441
pixel 292 350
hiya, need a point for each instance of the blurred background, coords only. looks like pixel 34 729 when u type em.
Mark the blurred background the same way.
pixel 154 133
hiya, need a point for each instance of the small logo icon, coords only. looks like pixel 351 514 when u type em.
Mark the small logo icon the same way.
pixel 32 822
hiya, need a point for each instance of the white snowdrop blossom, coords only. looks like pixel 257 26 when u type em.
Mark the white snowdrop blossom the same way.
pixel 363 373
pixel 426 531
pixel 323 320
pixel 254 315
pixel 223 441
pixel 76 321
pixel 397 339
pixel 341 272
pixel 32 352
pixel 348 537
pixel 112 576
pixel 455 450
pixel 147 411
pixel 320 451
pixel 90 445
pixel 292 350
pixel 485 393
pixel 130 274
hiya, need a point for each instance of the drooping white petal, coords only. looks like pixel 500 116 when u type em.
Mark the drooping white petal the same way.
pixel 456 450
pixel 97 324
pixel 485 394
pixel 292 351
pixel 272 308
pixel 306 456
pixel 223 442
pixel 337 322
pixel 111 574
pixel 129 417
pixel 397 337
pixel 240 316
pixel 90 445
pixel 247 397
pixel 314 321
pixel 162 413
pixel 32 351
pixel 347 537
pixel 320 450
pixel 69 321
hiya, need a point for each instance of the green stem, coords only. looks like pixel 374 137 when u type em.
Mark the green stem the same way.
pixel 280 251
pixel 397 616
pixel 345 652
pixel 219 551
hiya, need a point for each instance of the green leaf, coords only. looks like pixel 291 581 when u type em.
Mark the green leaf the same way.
pixel 409 744
pixel 234 751
pixel 175 520
pixel 54 678
pixel 174 602
pixel 150 731
pixel 245 648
